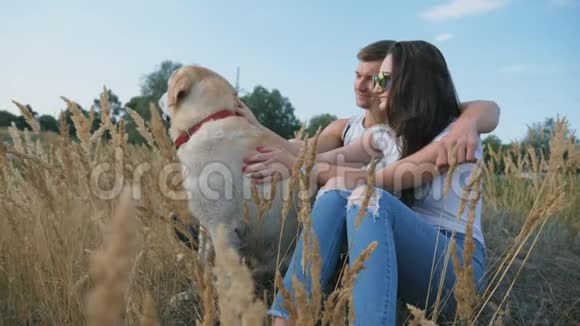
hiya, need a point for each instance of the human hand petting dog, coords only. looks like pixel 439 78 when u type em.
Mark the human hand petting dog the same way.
pixel 267 163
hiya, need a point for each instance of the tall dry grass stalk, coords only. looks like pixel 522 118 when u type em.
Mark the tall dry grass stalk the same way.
pixel 149 312
pixel 235 288
pixel 419 318
pixel 337 301
pixel 110 268
pixel 368 193
pixel 465 287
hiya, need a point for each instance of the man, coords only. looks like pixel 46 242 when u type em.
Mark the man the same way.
pixel 477 116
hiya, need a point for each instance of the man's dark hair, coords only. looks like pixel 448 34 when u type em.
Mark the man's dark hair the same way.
pixel 375 51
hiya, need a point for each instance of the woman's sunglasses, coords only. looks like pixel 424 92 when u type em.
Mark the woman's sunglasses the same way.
pixel 383 79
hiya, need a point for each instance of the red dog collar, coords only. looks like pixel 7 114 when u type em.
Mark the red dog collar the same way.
pixel 216 116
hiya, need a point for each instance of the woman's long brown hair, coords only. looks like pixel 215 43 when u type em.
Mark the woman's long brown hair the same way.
pixel 422 99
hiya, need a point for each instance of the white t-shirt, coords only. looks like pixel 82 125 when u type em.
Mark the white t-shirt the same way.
pixel 430 201
pixel 354 128
pixel 382 135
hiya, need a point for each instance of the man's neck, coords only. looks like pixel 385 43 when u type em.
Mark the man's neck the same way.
pixel 374 116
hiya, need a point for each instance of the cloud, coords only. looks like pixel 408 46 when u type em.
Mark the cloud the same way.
pixel 565 3
pixel 443 37
pixel 461 8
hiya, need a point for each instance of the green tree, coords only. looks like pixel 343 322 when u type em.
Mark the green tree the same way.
pixel 319 121
pixel 273 110
pixel 493 142
pixel 539 134
pixel 153 85
pixel 48 123
pixel 6 118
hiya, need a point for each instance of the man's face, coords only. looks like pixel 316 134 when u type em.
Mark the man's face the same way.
pixel 363 84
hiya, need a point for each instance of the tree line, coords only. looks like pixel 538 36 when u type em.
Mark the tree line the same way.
pixel 270 107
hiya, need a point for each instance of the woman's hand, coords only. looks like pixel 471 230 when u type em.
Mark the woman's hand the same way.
pixel 243 111
pixel 268 162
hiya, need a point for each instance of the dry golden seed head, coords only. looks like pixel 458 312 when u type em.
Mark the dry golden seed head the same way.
pixel 29 145
pixel 301 301
pixel 16 140
pixel 247 215
pixel 106 110
pixel 300 133
pixel 63 128
pixel 368 193
pixel 315 264
pixel 160 135
pixel 141 127
pixel 111 267
pixel 419 318
pixel 235 286
pixel 30 119
pixel 81 123
pixel 287 303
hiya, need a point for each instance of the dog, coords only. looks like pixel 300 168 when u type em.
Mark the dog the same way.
pixel 212 142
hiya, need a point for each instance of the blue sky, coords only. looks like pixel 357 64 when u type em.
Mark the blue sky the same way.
pixel 522 54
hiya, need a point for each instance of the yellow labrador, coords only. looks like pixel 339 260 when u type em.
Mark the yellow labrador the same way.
pixel 212 142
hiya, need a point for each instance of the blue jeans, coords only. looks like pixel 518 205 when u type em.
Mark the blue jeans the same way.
pixel 400 265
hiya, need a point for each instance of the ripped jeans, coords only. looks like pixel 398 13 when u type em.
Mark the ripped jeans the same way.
pixel 408 261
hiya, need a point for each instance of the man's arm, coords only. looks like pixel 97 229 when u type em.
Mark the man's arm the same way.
pixel 483 114
pixel 330 137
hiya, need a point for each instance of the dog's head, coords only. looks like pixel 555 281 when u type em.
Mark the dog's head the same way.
pixel 194 93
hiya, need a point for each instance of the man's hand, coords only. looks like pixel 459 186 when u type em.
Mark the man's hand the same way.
pixel 461 140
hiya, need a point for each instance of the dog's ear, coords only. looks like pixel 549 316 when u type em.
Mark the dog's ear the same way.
pixel 179 88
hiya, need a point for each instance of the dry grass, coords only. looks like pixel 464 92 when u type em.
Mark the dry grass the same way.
pixel 62 242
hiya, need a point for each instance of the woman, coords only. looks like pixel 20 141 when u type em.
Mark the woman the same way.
pixel 413 233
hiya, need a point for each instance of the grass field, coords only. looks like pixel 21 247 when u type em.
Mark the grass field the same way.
pixel 78 246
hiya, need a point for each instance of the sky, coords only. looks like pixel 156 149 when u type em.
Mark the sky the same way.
pixel 522 54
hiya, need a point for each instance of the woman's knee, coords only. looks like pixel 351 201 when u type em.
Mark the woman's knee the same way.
pixel 365 195
pixel 333 183
pixel 334 186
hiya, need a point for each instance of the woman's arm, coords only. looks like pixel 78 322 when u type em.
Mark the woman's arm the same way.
pixel 410 172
